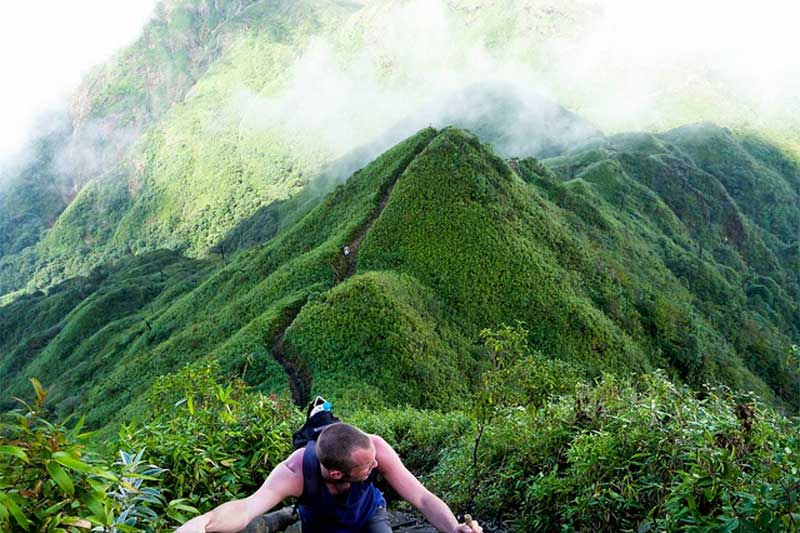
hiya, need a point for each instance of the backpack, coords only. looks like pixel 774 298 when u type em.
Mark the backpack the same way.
pixel 318 417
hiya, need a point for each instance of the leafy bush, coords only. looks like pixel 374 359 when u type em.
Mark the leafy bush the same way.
pixel 217 442
pixel 635 454
pixel 51 481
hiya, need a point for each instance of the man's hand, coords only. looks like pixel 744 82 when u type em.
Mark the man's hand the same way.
pixel 474 527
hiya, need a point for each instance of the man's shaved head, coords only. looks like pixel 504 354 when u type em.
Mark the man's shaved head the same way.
pixel 336 445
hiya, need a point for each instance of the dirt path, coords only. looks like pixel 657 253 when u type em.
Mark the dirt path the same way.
pixel 286 519
pixel 355 244
pixel 297 370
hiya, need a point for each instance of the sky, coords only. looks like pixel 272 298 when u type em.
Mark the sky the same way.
pixel 47 46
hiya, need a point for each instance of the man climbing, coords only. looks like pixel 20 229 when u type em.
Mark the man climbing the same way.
pixel 333 479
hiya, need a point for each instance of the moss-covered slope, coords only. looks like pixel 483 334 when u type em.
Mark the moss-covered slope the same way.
pixel 616 260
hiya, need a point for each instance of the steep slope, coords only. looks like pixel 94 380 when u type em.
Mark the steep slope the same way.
pixel 160 121
pixel 462 223
pixel 236 312
pixel 738 270
pixel 114 105
pixel 444 239
pixel 32 196
pixel 69 336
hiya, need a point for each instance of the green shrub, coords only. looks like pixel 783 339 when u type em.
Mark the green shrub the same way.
pixel 418 436
pixel 218 442
pixel 51 481
pixel 636 454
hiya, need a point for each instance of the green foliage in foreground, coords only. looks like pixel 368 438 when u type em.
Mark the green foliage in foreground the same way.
pixel 621 454
pixel 213 442
pixel 636 454
pixel 216 441
pixel 52 480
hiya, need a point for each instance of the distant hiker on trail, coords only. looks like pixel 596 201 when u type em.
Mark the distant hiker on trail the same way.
pixel 333 477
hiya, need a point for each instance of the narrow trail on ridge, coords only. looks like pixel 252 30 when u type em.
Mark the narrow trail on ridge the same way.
pixel 299 373
pixel 297 370
pixel 355 244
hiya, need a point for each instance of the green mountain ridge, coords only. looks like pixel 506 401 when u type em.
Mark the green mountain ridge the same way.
pixel 604 271
pixel 142 114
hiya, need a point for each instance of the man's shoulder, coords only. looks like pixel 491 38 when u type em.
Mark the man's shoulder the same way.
pixel 379 442
pixel 295 461
pixel 384 453
pixel 294 465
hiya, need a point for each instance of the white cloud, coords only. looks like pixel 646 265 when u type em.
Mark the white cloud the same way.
pixel 411 67
pixel 641 56
pixel 47 46
pixel 635 56
pixel 633 65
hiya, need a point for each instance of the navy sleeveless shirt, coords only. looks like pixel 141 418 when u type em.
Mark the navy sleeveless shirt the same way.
pixel 322 512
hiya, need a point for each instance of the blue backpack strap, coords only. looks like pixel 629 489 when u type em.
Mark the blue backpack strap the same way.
pixel 311 475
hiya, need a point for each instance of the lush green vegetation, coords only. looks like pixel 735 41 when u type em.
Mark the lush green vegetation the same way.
pixel 585 255
pixel 737 289
pixel 68 336
pixel 51 479
pixel 633 454
pixel 499 254
pixel 216 441
pixel 381 340
pixel 102 340
pixel 535 448
pixel 180 288
pixel 163 146
pixel 162 153
pixel 619 258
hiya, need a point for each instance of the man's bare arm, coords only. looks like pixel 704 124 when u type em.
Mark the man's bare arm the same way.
pixel 410 489
pixel 284 481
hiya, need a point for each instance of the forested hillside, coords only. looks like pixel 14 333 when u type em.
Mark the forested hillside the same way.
pixel 223 111
pixel 607 270
pixel 623 256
